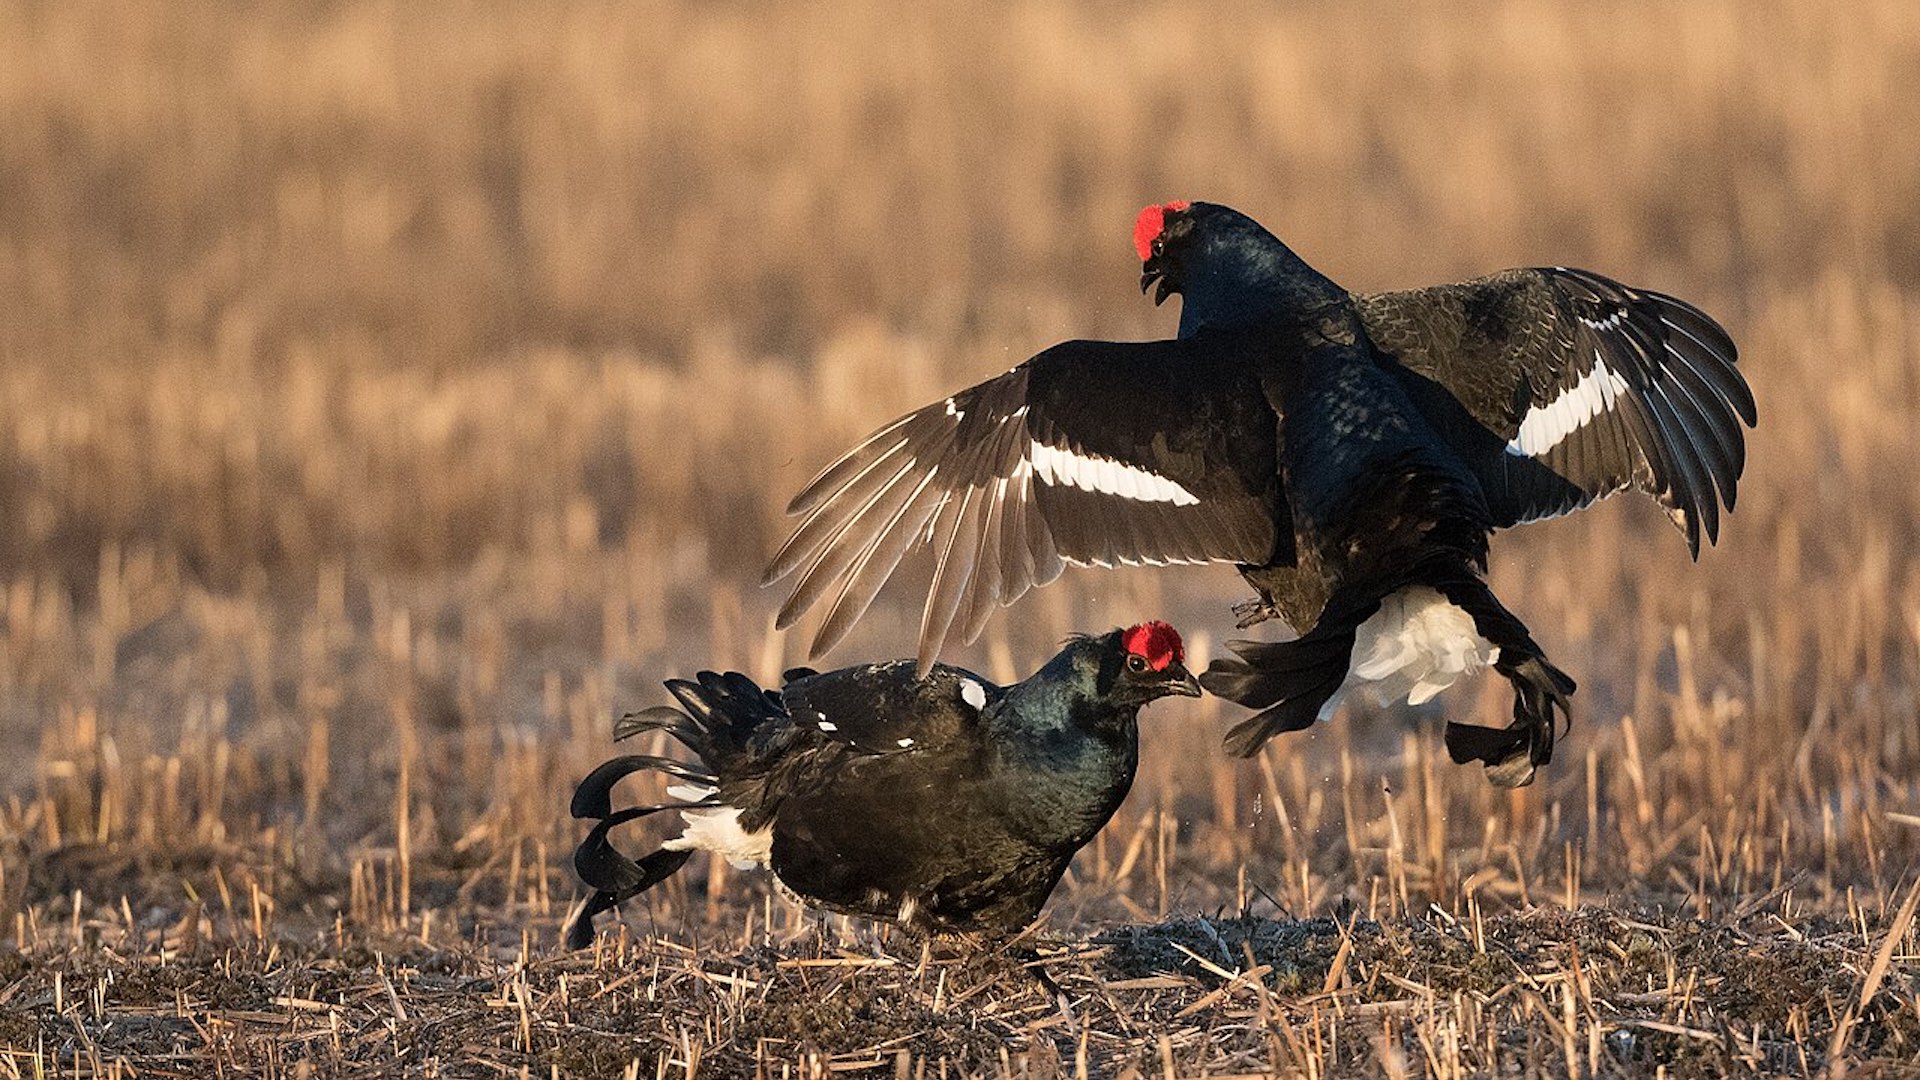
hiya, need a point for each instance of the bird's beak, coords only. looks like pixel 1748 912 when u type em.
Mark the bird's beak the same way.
pixel 1181 682
pixel 1154 272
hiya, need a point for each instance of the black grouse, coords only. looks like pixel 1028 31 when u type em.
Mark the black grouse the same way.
pixel 1350 452
pixel 943 803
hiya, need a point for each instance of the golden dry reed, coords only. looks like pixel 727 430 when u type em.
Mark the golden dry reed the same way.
pixel 390 394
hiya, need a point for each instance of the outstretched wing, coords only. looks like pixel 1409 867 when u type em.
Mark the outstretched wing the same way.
pixel 1093 453
pixel 1561 387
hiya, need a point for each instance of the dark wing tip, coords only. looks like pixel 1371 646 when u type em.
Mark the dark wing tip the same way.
pixel 1686 379
pixel 868 510
pixel 1688 528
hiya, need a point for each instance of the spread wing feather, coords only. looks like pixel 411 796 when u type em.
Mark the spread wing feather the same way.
pixel 1561 387
pixel 1092 453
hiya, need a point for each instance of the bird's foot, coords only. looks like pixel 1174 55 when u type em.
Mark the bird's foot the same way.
pixel 1253 612
pixel 1542 697
pixel 1516 771
pixel 1541 701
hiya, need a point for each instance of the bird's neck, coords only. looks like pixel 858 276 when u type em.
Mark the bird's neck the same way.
pixel 1252 281
pixel 1059 715
pixel 1105 723
pixel 1067 771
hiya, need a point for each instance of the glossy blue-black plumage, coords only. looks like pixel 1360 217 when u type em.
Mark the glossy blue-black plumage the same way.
pixel 944 802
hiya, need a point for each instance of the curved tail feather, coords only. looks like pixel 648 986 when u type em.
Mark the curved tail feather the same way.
pixel 600 864
pixel 613 877
pixel 594 797
pixel 644 874
pixel 717 718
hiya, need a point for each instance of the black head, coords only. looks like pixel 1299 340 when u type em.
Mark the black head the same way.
pixel 1227 268
pixel 1140 664
pixel 1160 236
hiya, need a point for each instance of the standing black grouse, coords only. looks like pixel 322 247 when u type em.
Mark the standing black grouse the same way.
pixel 943 803
pixel 1350 452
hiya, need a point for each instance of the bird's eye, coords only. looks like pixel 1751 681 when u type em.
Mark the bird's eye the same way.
pixel 1159 246
pixel 1136 662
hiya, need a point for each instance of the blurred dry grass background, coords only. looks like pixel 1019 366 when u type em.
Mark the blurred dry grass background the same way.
pixel 391 393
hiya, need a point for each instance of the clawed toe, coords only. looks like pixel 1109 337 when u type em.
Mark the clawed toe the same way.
pixel 1253 612
pixel 1515 772
pixel 1513 755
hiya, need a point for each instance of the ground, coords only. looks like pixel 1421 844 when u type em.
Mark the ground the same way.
pixel 1590 991
pixel 391 395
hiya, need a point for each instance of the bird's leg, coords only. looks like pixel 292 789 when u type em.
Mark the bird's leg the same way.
pixel 1019 948
pixel 1540 702
pixel 1541 692
pixel 1253 612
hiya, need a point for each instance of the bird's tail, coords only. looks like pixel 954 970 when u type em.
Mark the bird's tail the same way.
pixel 614 877
pixel 1540 699
pixel 717 718
pixel 1292 682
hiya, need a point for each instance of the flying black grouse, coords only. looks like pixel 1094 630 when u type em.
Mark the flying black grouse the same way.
pixel 943 803
pixel 1350 452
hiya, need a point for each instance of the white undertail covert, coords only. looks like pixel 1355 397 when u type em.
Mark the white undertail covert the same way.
pixel 717 829
pixel 1415 646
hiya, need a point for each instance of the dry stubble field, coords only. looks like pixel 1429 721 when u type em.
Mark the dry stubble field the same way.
pixel 391 394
